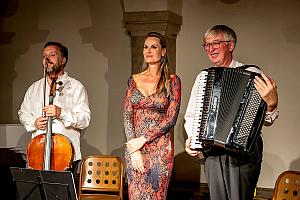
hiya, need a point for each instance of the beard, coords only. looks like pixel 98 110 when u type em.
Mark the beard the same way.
pixel 55 69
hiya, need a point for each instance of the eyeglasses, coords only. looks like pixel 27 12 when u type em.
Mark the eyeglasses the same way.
pixel 214 44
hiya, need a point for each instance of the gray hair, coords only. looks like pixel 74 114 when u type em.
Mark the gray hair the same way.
pixel 227 33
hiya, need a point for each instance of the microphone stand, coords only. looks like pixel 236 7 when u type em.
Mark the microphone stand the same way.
pixel 45 84
pixel 47 143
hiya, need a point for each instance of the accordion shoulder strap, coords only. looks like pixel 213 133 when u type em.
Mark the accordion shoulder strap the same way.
pixel 244 67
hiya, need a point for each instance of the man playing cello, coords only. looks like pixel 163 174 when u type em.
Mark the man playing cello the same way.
pixel 70 108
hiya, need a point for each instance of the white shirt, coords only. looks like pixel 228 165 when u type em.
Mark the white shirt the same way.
pixel 71 97
pixel 189 114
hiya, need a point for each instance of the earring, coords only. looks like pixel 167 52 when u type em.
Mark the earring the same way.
pixel 163 59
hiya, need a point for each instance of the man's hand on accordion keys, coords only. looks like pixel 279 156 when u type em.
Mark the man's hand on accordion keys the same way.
pixel 267 89
pixel 189 150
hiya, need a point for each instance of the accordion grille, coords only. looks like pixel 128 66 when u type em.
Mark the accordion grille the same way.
pixel 247 122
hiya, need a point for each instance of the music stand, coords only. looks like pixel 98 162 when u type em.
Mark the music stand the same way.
pixel 27 183
pixel 59 185
pixel 43 185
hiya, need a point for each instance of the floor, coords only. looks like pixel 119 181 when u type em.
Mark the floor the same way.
pixel 183 191
pixel 194 191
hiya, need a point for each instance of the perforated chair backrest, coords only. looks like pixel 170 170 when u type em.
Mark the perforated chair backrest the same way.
pixel 287 186
pixel 101 173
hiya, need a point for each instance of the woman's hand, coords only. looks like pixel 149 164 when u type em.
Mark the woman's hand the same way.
pixel 135 144
pixel 137 162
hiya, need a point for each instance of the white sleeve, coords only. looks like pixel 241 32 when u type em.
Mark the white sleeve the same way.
pixel 77 116
pixel 25 113
pixel 190 110
pixel 271 116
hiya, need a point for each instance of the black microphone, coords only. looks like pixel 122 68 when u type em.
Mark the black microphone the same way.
pixel 47 59
pixel 48 69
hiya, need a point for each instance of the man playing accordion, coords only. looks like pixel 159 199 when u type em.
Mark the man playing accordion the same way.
pixel 231 176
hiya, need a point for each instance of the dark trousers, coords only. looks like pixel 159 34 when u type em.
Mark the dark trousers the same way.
pixel 74 167
pixel 231 176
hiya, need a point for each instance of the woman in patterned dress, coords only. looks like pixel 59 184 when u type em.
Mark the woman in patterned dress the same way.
pixel 151 108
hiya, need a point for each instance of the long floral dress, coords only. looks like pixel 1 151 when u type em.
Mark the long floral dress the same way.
pixel 151 116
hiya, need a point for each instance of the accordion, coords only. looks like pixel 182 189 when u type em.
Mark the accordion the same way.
pixel 229 111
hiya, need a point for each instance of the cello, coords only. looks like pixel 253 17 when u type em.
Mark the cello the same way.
pixel 50 151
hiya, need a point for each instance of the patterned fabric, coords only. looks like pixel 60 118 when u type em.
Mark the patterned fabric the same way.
pixel 153 117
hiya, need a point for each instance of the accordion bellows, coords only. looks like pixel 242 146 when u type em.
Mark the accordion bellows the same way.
pixel 229 111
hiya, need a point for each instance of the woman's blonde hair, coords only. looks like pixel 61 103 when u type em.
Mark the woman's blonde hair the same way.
pixel 165 77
